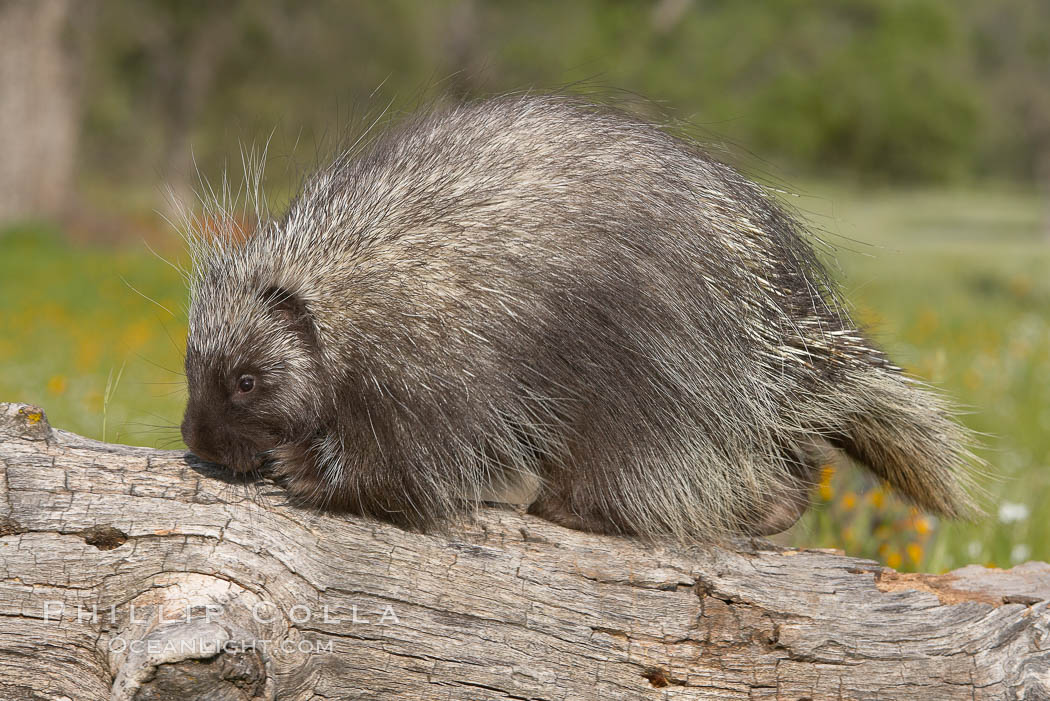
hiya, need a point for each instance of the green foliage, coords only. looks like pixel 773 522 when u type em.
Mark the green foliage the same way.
pixel 897 89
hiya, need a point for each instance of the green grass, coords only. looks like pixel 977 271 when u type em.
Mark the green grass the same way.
pixel 954 283
pixel 73 317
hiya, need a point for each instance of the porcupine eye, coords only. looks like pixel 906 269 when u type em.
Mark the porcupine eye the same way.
pixel 245 384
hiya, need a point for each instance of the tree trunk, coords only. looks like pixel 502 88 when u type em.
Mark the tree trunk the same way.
pixel 132 573
pixel 39 106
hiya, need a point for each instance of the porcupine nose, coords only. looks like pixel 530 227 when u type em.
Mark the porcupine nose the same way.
pixel 198 438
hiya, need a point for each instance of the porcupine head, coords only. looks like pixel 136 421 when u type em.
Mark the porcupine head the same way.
pixel 252 363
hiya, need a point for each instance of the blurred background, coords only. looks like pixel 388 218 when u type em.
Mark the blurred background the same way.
pixel 914 135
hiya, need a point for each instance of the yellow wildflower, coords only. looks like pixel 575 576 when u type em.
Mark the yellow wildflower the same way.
pixel 878 498
pixel 825 489
pixel 922 526
pixel 56 385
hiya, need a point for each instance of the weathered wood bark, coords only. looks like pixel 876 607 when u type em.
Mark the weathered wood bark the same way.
pixel 105 548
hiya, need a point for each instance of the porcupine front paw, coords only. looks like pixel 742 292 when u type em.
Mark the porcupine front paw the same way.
pixel 295 467
pixel 315 478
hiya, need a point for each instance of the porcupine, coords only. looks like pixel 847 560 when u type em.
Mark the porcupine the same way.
pixel 541 296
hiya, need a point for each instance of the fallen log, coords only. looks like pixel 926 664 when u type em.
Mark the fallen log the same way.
pixel 132 573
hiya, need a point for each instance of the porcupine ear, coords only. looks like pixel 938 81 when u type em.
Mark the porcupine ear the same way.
pixel 292 311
